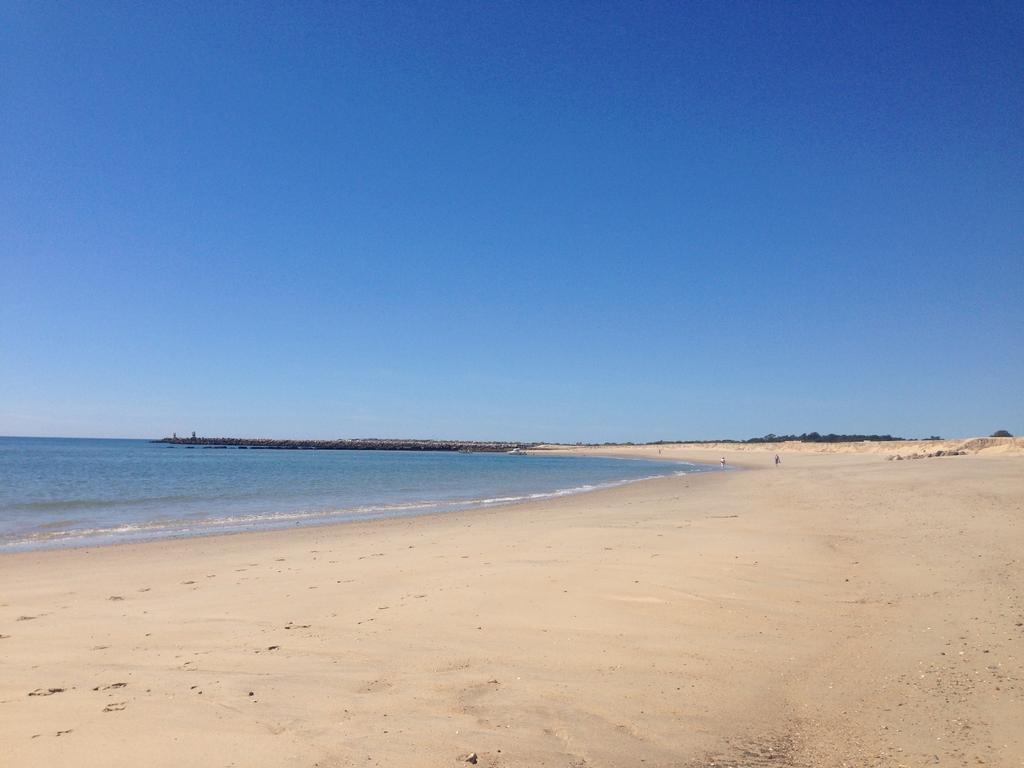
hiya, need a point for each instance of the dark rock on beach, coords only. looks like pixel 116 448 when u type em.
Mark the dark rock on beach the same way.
pixel 933 455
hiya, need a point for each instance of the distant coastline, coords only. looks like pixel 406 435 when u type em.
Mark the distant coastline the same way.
pixel 356 444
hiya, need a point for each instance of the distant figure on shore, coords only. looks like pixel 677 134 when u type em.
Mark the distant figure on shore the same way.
pixel 723 462
pixel 777 460
pixel 193 435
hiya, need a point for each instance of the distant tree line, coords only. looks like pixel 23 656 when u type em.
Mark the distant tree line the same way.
pixel 806 437
pixel 814 437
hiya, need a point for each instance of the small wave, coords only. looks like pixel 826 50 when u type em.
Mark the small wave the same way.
pixel 179 527
pixel 55 524
pixel 56 505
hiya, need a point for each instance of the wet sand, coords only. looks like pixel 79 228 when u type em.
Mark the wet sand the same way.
pixel 840 609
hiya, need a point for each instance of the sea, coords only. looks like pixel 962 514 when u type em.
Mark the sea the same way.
pixel 72 492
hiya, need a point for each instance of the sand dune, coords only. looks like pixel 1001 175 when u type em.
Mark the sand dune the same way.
pixel 1013 446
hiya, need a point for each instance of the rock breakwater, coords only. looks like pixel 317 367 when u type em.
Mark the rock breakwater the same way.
pixel 355 444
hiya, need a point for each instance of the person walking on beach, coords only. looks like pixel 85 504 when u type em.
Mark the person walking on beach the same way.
pixel 723 462
pixel 777 460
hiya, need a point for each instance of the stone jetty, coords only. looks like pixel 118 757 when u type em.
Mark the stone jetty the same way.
pixel 356 444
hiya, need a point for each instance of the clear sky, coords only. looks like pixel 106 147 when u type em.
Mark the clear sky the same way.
pixel 551 221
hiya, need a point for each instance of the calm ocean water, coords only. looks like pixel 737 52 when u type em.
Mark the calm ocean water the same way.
pixel 72 492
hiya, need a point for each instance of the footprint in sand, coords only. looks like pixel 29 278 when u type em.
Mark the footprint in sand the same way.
pixel 376 686
pixel 46 691
pixel 26 618
pixel 116 706
pixel 115 597
pixel 643 599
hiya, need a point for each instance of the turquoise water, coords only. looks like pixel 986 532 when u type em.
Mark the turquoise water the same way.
pixel 73 492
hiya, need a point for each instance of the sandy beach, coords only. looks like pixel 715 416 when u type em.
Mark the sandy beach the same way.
pixel 842 609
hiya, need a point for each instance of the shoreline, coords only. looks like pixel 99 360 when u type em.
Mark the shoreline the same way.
pixel 361 527
pixel 677 621
pixel 376 513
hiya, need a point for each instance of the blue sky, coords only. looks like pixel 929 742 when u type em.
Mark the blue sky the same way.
pixel 549 221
